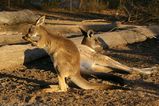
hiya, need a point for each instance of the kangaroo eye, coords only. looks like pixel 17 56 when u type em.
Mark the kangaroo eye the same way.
pixel 96 40
pixel 29 30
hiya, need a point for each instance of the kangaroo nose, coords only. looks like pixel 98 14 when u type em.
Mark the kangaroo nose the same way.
pixel 24 37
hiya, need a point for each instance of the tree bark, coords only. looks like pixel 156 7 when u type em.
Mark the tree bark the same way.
pixel 8 3
pixel 81 4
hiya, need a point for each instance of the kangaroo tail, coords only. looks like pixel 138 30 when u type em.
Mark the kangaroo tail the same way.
pixel 82 83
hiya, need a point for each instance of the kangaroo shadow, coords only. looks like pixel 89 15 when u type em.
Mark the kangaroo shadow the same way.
pixel 103 43
pixel 22 80
pixel 147 87
pixel 147 49
pixel 38 59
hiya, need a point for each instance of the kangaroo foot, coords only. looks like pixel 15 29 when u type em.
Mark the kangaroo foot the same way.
pixel 146 70
pixel 53 88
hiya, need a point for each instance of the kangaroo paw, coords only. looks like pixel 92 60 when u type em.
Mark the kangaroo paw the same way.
pixel 54 88
pixel 50 90
pixel 146 70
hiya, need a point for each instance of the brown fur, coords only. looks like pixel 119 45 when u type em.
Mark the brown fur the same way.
pixel 65 56
pixel 91 41
pixel 96 62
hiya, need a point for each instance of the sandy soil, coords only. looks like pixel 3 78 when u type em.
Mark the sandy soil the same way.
pixel 18 87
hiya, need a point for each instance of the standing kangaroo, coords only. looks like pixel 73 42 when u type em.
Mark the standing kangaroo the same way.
pixel 65 56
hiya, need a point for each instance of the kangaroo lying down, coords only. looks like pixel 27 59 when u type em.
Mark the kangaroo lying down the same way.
pixel 93 61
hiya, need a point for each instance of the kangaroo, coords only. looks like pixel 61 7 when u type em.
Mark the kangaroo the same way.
pixel 93 62
pixel 65 56
pixel 92 59
pixel 91 41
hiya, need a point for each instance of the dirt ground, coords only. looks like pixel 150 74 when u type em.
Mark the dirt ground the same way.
pixel 18 87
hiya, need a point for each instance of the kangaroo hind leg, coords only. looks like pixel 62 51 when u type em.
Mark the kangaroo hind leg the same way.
pixel 62 87
pixel 101 69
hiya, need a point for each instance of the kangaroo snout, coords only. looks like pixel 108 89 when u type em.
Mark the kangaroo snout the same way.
pixel 24 37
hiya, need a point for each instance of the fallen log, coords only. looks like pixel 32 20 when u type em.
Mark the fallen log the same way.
pixel 14 29
pixel 13 34
pixel 16 21
pixel 19 21
pixel 13 56
pixel 133 35
pixel 16 17
pixel 103 27
pixel 11 39
pixel 126 35
pixel 64 27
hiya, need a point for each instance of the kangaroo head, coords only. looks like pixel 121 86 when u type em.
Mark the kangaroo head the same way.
pixel 33 34
pixel 91 41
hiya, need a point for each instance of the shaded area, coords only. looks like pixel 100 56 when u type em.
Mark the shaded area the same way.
pixel 73 16
pixel 21 79
pixel 146 51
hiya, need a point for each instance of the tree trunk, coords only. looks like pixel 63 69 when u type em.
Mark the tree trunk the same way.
pixel 8 3
pixel 81 4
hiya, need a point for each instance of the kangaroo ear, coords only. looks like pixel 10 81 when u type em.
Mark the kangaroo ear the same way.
pixel 90 33
pixel 40 21
pixel 84 33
